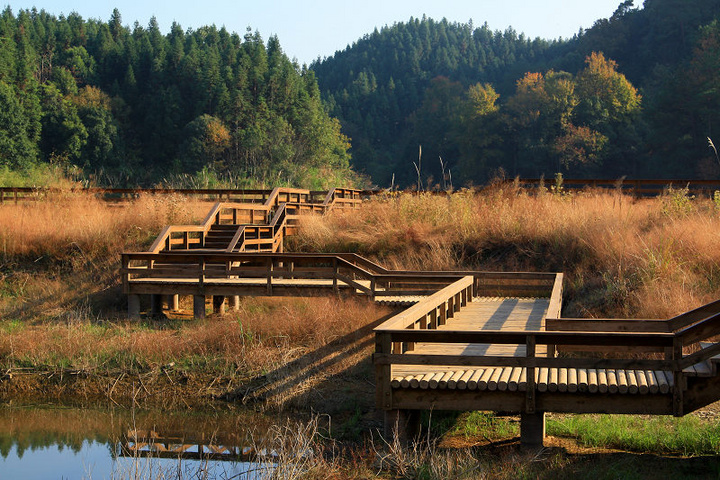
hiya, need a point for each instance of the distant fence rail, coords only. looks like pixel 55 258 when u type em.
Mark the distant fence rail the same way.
pixel 16 194
pixel 636 187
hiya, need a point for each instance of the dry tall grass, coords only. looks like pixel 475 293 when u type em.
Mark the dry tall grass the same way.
pixel 623 257
pixel 64 223
pixel 264 334
pixel 59 256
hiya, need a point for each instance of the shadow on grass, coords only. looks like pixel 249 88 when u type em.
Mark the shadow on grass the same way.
pixel 337 377
pixel 557 463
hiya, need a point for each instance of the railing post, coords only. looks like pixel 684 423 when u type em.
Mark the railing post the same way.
pixel 383 372
pixel 433 319
pixel 335 275
pixel 125 273
pixel 269 275
pixel 678 377
pixel 532 422
pixel 201 266
pixel 530 375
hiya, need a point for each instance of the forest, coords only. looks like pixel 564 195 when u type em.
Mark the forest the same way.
pixel 635 95
pixel 136 107
pixel 426 102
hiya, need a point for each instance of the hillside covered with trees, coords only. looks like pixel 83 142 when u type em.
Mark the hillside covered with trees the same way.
pixel 635 95
pixel 134 106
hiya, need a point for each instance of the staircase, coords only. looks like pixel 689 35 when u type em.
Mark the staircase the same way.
pixel 219 236
pixel 253 227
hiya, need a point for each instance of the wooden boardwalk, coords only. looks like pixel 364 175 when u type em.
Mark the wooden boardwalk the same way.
pixel 464 340
pixel 483 313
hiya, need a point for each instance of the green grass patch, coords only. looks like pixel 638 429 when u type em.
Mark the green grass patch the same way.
pixel 688 435
pixel 485 425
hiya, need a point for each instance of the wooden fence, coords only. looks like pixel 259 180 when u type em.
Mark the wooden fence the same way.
pixel 637 187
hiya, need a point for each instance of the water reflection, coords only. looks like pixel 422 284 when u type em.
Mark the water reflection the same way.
pixel 47 443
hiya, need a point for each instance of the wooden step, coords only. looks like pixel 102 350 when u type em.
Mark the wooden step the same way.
pixel 217 227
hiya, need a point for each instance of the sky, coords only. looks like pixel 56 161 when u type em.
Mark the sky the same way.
pixel 308 29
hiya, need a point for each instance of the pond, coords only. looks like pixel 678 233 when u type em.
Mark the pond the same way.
pixel 97 443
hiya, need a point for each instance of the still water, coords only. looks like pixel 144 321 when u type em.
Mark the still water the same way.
pixel 72 443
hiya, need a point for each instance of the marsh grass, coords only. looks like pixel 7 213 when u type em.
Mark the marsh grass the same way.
pixel 486 426
pixel 68 224
pixel 622 256
pixel 240 342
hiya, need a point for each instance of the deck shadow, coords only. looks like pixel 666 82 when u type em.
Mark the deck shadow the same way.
pixel 334 377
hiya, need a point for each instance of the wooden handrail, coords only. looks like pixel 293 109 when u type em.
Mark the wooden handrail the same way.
pixel 606 325
pixel 541 337
pixel 161 265
pixel 410 358
pixel 239 233
pixel 693 316
pixel 424 308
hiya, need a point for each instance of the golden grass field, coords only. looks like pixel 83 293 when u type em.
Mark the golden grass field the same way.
pixel 648 258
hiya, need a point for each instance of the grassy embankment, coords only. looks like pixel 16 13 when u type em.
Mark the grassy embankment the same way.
pixel 62 310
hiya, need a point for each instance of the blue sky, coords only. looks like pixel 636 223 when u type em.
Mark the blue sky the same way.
pixel 311 28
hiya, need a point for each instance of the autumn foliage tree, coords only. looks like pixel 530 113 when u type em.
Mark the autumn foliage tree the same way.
pixel 555 121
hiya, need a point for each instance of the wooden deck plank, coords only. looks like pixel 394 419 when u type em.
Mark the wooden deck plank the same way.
pixel 561 380
pixel 483 313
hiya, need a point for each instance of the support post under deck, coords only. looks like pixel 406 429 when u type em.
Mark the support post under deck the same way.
pixel 403 424
pixel 199 306
pixel 218 304
pixel 235 303
pixel 532 429
pixel 156 305
pixel 134 307
pixel 174 303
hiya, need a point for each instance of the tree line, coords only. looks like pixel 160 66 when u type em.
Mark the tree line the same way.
pixel 441 102
pixel 135 106
pixel 635 95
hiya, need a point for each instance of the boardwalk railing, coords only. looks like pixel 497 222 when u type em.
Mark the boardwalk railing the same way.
pixel 270 273
pixel 680 379
pixel 17 194
pixel 636 187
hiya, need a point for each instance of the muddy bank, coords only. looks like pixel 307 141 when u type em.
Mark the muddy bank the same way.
pixel 156 388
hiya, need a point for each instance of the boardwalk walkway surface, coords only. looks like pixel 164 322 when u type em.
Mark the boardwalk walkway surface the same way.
pixel 464 340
